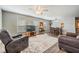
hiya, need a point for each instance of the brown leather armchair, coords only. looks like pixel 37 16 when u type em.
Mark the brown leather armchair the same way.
pixel 13 46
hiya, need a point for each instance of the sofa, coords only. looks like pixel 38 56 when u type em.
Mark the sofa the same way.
pixel 69 42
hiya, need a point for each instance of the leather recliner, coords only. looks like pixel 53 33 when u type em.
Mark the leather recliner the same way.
pixel 13 46
pixel 69 42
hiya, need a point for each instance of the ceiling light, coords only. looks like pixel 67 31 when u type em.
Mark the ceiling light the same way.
pixel 39 10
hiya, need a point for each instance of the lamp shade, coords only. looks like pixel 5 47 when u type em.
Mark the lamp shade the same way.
pixel 62 24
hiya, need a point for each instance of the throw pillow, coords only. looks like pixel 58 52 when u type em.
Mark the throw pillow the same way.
pixel 77 37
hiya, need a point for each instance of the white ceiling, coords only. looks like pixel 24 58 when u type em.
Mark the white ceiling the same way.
pixel 53 10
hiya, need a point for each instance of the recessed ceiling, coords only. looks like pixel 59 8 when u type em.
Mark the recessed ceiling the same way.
pixel 52 10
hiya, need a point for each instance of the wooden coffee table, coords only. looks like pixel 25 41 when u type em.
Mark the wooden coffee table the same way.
pixel 33 33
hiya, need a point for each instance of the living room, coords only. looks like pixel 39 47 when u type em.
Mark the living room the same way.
pixel 45 27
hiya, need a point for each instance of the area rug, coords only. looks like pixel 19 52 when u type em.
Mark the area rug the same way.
pixel 2 47
pixel 40 43
pixel 54 49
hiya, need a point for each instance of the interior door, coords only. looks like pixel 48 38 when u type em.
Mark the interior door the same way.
pixel 77 24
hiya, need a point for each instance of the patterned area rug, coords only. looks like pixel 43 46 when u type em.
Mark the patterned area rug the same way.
pixel 54 49
pixel 40 43
pixel 2 47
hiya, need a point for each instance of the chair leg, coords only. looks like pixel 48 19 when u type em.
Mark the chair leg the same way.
pixel 59 48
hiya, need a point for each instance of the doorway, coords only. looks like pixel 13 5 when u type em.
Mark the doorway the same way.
pixel 77 24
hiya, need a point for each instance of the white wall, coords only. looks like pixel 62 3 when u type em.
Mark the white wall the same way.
pixel 0 19
pixel 9 22
pixel 69 23
pixel 16 23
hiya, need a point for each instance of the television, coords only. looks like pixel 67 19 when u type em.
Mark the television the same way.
pixel 30 28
